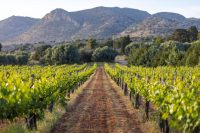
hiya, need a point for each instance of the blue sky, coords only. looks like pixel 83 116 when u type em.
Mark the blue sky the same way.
pixel 38 8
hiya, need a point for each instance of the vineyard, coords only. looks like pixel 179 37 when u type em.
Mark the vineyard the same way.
pixel 28 91
pixel 174 92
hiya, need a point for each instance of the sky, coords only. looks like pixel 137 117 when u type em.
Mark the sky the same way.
pixel 38 8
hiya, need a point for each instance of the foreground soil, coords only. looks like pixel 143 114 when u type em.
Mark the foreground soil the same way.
pixel 100 108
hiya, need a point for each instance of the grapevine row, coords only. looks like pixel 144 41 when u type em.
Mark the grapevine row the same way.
pixel 174 92
pixel 28 91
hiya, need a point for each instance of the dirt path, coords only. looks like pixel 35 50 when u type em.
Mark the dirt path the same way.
pixel 99 109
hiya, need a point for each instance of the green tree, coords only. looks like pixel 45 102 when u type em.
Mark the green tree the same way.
pixel 48 56
pixel 71 54
pixel 85 55
pixel 184 35
pixel 39 52
pixel 108 42
pixel 141 56
pixel 63 54
pixel 193 33
pixel 174 57
pixel 131 46
pixel 104 54
pixel 22 58
pixel 8 59
pixel 198 37
pixel 181 35
pixel 79 44
pixel 91 43
pixel 192 56
pixel 121 43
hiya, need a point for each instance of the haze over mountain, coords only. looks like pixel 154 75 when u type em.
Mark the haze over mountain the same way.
pixel 100 22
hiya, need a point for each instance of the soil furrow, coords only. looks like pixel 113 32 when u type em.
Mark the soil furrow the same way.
pixel 99 109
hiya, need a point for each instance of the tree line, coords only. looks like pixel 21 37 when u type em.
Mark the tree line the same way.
pixel 76 52
pixel 170 53
pixel 182 48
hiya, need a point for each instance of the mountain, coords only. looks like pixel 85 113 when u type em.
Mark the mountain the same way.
pixel 100 22
pixel 15 26
pixel 161 24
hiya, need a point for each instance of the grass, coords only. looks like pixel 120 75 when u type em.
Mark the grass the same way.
pixel 44 126
pixel 14 128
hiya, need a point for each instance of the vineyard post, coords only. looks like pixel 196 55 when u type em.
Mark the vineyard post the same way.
pixel 137 97
pixel 51 106
pixel 122 85
pixel 31 121
pixel 118 78
pixel 125 89
pixel 68 93
pixel 130 93
pixel 147 104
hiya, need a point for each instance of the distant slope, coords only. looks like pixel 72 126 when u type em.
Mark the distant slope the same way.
pixel 60 25
pixel 160 24
pixel 15 26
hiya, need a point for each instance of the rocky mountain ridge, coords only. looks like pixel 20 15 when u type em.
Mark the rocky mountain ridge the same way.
pixel 100 22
